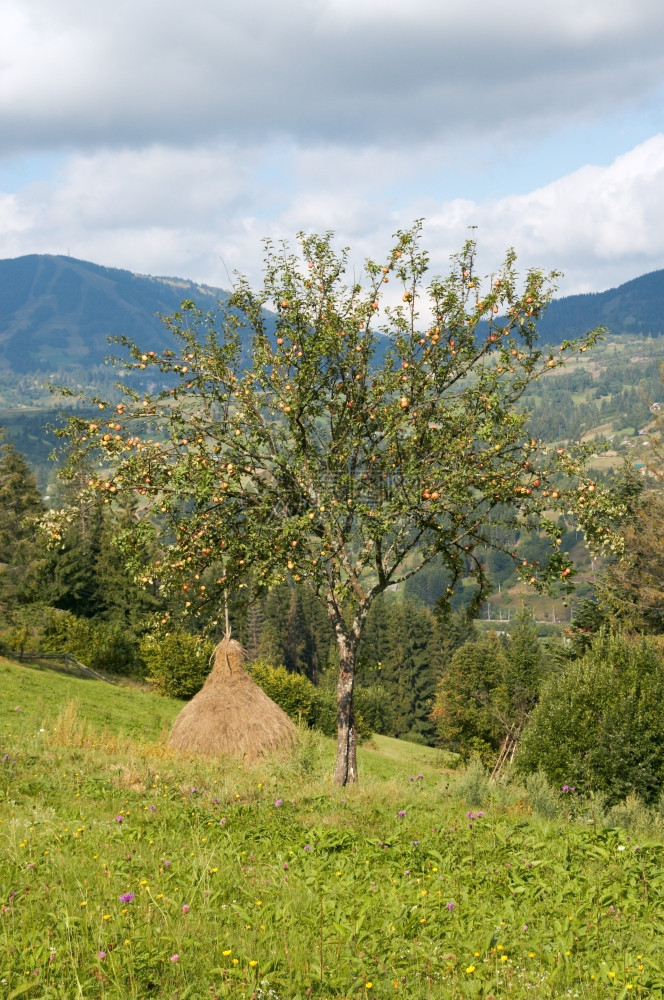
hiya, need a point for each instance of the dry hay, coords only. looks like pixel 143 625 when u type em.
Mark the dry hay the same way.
pixel 231 714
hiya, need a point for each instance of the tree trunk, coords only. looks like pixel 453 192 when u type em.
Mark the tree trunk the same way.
pixel 345 769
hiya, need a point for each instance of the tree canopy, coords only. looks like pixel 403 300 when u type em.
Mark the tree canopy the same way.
pixel 342 434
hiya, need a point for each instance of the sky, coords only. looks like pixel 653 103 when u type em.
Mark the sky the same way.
pixel 172 137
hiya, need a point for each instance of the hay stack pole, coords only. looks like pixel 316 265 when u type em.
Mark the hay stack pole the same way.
pixel 231 714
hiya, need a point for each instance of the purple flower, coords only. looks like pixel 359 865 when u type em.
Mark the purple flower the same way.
pixel 216 801
pixel 565 788
pixel 479 815
pixel 411 779
pixel 119 819
pixel 450 906
pixel 6 757
pixel 222 821
pixel 193 791
pixel 127 897
pixel 285 866
pixel 401 813
pixel 415 843
pixel 308 847
pixel 278 803
pixel 153 809
pixel 525 927
pixel 407 871
pixel 175 958
pixel 101 955
pixel 419 777
pixel 167 864
pixel 185 908
pixel 470 815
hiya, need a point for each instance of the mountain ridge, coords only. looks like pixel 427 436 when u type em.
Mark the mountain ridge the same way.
pixel 57 312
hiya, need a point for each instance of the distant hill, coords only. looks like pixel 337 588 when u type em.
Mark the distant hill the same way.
pixel 57 312
pixel 637 307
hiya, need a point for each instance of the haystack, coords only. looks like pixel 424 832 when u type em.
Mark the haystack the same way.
pixel 231 714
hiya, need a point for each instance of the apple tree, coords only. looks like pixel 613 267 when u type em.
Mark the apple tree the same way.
pixel 342 433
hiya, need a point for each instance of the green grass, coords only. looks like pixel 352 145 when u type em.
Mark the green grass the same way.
pixel 268 881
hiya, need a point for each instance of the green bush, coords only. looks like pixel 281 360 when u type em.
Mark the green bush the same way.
pixel 600 724
pixel 177 663
pixel 293 692
pixel 101 645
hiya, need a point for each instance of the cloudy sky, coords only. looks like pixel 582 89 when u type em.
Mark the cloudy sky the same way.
pixel 170 137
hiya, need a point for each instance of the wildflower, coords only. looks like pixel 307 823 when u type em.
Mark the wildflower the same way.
pixel 612 975
pixel 470 970
pixel 450 906
pixel 621 847
pixel 253 963
pixel 84 903
pixel 185 908
pixel 401 813
pixel 308 847
pixel 278 803
pixel 565 788
pixel 227 952
pixel 420 777
pixel 411 779
pixel 127 897
pixel 101 955
pixel 119 819
pixel 503 958
pixel 368 985
pixel 167 864
pixel 235 961
pixel 153 809
pixel 221 822
pixel 175 958
pixel 107 916
pixel 285 866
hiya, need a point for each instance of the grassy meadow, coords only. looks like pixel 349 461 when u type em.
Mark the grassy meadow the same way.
pixel 129 872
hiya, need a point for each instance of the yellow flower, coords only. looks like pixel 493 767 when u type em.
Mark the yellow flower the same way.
pixel 144 881
pixel 629 986
pixel 499 947
pixel 338 873
pixel 127 942
pixel 253 963
pixel 160 895
pixel 476 954
pixel 425 892
pixel 84 903
pixel 470 970
pixel 531 954
pixel 214 871
pixel 235 961
pixel 227 952
pixel 107 916
pixel 368 985
pixel 612 975
pixel 503 958
pixel 259 902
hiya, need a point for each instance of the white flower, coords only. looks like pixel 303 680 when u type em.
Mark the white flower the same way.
pixel 621 847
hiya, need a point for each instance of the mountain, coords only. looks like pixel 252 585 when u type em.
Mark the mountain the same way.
pixel 637 307
pixel 57 312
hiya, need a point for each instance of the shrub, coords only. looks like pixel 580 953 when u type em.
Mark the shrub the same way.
pixel 293 692
pixel 177 663
pixel 600 724
pixel 101 645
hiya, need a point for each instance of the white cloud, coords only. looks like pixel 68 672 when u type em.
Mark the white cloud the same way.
pixel 357 71
pixel 194 214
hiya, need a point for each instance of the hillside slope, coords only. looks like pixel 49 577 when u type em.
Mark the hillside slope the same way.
pixel 57 312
